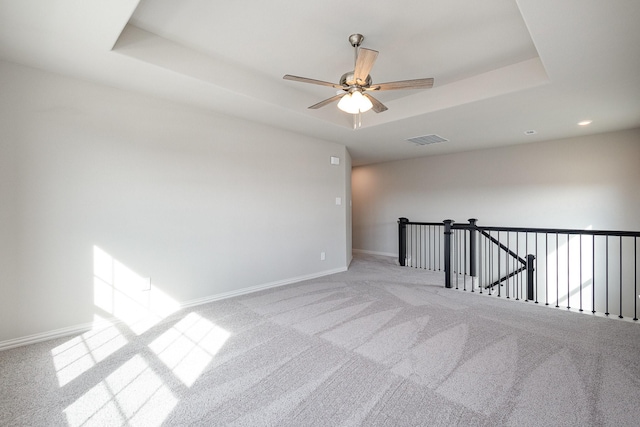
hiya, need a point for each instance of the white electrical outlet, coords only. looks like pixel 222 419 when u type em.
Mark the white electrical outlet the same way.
pixel 322 256
pixel 338 201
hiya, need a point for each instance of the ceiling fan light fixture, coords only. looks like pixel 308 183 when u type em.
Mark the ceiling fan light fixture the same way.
pixel 354 103
pixel 351 97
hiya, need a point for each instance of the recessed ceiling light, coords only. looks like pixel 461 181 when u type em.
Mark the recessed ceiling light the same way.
pixel 585 122
pixel 530 132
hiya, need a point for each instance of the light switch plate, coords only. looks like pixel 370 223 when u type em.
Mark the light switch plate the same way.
pixel 338 201
pixel 335 160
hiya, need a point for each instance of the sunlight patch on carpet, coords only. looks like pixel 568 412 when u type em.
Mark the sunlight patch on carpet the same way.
pixel 189 346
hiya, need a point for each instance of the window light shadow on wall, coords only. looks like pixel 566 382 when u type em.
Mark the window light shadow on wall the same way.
pixel 126 295
pixel 131 389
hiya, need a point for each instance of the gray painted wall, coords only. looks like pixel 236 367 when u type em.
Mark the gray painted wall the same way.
pixel 201 203
pixel 590 181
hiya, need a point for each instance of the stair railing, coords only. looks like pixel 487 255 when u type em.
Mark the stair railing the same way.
pixel 586 270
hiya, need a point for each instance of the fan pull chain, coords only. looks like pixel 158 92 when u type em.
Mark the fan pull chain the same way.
pixel 357 120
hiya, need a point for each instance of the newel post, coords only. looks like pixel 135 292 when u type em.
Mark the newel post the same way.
pixel 447 252
pixel 472 247
pixel 402 241
pixel 530 270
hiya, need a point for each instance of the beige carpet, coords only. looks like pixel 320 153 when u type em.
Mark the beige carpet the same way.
pixel 378 345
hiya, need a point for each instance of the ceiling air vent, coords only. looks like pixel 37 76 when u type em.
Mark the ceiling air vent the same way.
pixel 427 139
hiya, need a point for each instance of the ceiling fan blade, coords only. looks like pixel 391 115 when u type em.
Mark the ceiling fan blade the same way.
pixel 312 81
pixel 404 84
pixel 326 101
pixel 378 106
pixel 364 63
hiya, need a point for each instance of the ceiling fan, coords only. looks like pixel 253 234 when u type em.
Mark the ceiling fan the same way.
pixel 355 86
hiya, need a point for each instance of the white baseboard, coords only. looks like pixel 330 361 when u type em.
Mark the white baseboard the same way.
pixel 82 328
pixel 364 251
pixel 45 336
pixel 249 290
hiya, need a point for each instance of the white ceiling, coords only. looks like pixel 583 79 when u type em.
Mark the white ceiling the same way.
pixel 501 67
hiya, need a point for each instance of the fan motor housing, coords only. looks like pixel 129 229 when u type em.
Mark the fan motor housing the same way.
pixel 348 79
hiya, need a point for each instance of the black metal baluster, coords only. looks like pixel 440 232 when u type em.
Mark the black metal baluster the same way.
pixel 425 247
pixel 518 282
pixel 420 246
pixel 412 245
pixel 464 254
pixel 438 251
pixel 557 273
pixel 526 251
pixel 457 235
pixel 436 246
pixel 478 268
pixel 536 278
pixel 456 260
pixel 568 273
pixel 581 272
pixel 606 282
pixel 417 254
pixel 506 262
pixel 429 244
pixel 454 264
pixel 416 245
pixel 423 239
pixel 409 243
pixel 454 243
pixel 593 274
pixel 414 253
pixel 546 268
pixel 456 255
pixel 433 243
pixel 620 312
pixel 490 267
pixel 485 270
pixel 482 260
pixel 499 269
pixel 635 278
